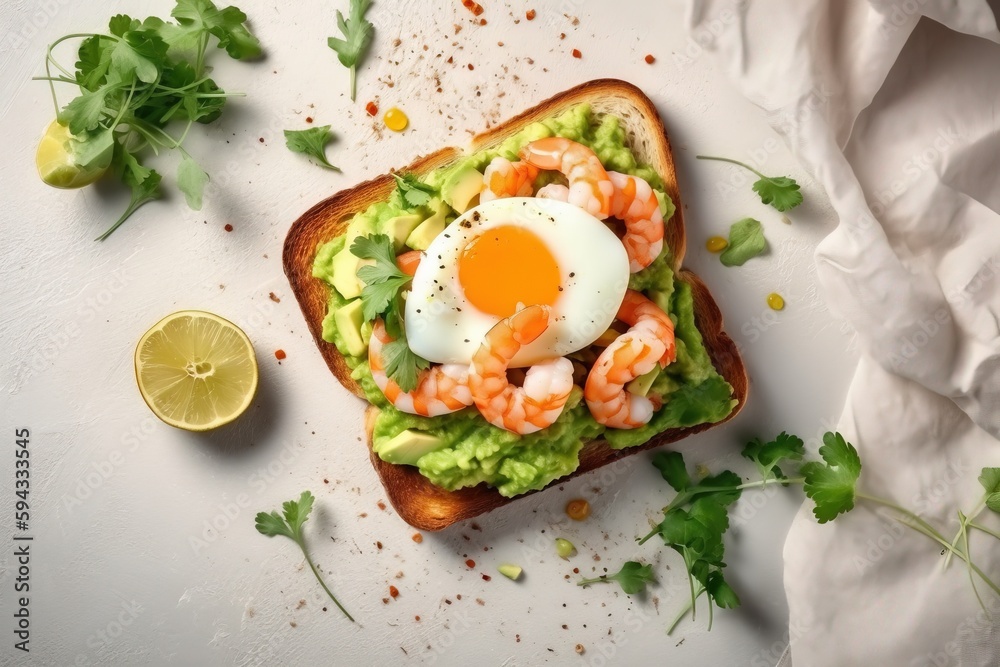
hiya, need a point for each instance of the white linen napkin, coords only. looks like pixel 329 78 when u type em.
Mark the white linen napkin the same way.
pixel 895 108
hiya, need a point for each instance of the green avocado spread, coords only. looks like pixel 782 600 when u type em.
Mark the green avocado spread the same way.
pixel 466 449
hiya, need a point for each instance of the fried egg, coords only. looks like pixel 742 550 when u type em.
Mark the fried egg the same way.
pixel 510 253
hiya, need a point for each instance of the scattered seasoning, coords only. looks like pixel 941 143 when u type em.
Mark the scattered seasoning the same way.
pixel 775 301
pixel 530 15
pixel 279 354
pixel 309 119
pixel 470 563
pixel 228 227
pixel 273 297
pixel 518 638
pixel 578 509
pixel 416 618
pixel 577 54
pixel 650 59
pixel 395 119
pixel 576 570
pixel 371 108
pixel 379 545
pixel 482 21
pixel 716 244
pixel 580 650
pixel 393 592
pixel 418 538
pixel 565 627
pixel 261 139
pixel 385 600
pixel 471 66
pixel 487 577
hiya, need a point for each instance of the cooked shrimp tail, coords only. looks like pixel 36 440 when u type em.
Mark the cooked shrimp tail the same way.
pixel 504 178
pixel 635 204
pixel 590 187
pixel 547 385
pixel 440 389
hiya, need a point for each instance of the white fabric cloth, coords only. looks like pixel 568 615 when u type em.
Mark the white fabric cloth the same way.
pixel 894 107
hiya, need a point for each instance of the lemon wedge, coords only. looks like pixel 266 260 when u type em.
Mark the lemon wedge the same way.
pixel 195 370
pixel 56 160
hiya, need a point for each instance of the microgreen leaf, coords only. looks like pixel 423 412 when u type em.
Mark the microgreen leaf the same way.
pixel 290 525
pixel 632 577
pixel 200 16
pixel 191 180
pixel 311 142
pixel 746 240
pixel 990 479
pixel 767 456
pixel 357 34
pixel 671 467
pixel 831 484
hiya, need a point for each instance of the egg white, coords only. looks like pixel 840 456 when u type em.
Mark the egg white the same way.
pixel 443 326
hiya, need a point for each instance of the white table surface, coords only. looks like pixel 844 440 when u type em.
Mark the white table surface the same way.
pixel 144 549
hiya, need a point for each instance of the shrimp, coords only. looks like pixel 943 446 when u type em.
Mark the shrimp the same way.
pixel 440 389
pixel 590 187
pixel 547 385
pixel 504 178
pixel 635 204
pixel 649 341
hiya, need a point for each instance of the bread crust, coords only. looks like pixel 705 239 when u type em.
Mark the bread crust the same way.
pixel 418 502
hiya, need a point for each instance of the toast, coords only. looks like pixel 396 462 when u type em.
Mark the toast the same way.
pixel 419 502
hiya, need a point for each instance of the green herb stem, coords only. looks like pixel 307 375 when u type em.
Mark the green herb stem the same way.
pixel 731 161
pixel 301 542
pixel 688 607
pixel 961 527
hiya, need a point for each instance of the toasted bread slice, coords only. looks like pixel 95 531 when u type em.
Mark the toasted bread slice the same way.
pixel 419 502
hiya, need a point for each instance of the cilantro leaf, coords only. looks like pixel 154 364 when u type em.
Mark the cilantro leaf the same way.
pixel 781 192
pixel 191 180
pixel 197 17
pixel 311 142
pixel 720 591
pixel 990 479
pixel 767 456
pixel 402 364
pixel 632 577
pixel 412 191
pixel 746 240
pixel 290 525
pixel 83 113
pixel 138 53
pixel 94 59
pixel 671 466
pixel 383 280
pixel 357 34
pixel 831 484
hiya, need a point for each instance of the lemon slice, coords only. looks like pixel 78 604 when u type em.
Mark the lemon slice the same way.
pixel 195 370
pixel 56 161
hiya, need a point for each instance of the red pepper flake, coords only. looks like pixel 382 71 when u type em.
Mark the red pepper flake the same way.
pixel 562 35
pixel 471 67
pixel 274 297
pixel 279 354
pixel 381 505
pixel 418 538
pixel 261 139
pixel 650 59
pixel 530 15
pixel 470 563
pixel 482 21
pixel 378 544
pixel 459 596
pixel 371 108
pixel 393 592
pixel 486 577
pixel 577 54
pixel 518 638
pixel 228 227
pixel 416 618
pixel 309 119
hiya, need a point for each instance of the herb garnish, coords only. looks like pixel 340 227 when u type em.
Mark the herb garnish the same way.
pixel 357 37
pixel 295 514
pixel 781 192
pixel 311 142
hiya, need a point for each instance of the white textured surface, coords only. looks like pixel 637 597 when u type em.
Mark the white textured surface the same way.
pixel 73 310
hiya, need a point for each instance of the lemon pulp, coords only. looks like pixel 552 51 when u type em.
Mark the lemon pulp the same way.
pixel 195 370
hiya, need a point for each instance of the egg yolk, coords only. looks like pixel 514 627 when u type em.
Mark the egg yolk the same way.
pixel 505 266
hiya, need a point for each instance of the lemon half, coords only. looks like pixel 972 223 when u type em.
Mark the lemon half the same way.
pixel 195 370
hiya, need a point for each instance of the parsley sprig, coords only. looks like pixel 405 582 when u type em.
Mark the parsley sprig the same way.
pixel 781 192
pixel 632 577
pixel 382 297
pixel 411 191
pixel 289 524
pixel 696 520
pixel 137 78
pixel 357 37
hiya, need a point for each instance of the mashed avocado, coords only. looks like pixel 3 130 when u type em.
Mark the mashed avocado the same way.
pixel 473 451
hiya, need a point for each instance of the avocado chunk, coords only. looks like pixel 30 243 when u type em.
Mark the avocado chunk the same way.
pixel 461 189
pixel 345 273
pixel 661 299
pixel 407 447
pixel 640 386
pixel 349 322
pixel 399 227
pixel 428 230
pixel 512 572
